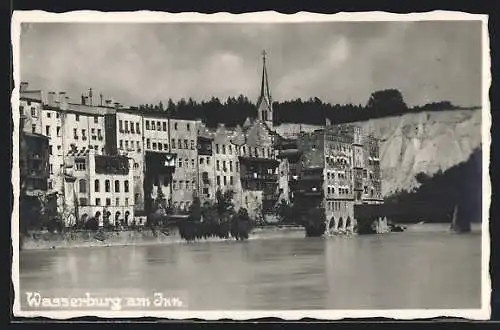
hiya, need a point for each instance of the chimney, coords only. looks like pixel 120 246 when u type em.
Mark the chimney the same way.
pixel 51 99
pixel 83 100
pixel 63 100
pixel 24 86
pixel 100 97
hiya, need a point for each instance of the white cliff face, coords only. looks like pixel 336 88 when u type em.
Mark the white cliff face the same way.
pixel 423 142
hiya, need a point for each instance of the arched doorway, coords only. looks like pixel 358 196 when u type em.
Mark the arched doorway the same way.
pixel 127 215
pixel 348 222
pixel 332 223
pixel 340 224
pixel 117 217
pixel 97 215
pixel 83 219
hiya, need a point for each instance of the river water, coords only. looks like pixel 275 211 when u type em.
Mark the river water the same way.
pixel 424 267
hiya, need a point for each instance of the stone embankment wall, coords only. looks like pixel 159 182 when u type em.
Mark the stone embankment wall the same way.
pixel 46 240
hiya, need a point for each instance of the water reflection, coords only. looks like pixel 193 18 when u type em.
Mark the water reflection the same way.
pixel 407 270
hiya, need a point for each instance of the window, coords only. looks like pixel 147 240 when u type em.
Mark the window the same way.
pixel 120 125
pixel 148 143
pixel 75 133
pixel 137 128
pixel 165 146
pixel 186 162
pixel 108 201
pixel 230 149
pixel 33 112
pixel 80 165
pixel 96 186
pixel 244 150
pixel 126 145
pixel 126 188
pixel 187 185
pixel 216 148
pixel 138 145
pixel 237 167
pixel 225 180
pixel 147 124
pixel 51 169
pixel 154 145
pixel 179 143
pixel 186 146
pixel 218 165
pixel 107 186
pixel 158 125
pixel 174 184
pixel 117 201
pixel 192 144
pixel 164 126
pixel 188 127
pixel 153 125
pixel 180 162
pixel 33 128
pixel 173 143
pixel 82 186
pixel 132 129
pixel 224 165
pixel 230 165
pixel 208 160
pixel 47 130
pixel 218 180
pixel 202 160
pixel 96 120
pixel 50 149
pixel 77 117
pixel 175 126
pixel 99 133
pixel 256 151
pixel 126 201
pixel 83 132
pixel 121 144
pixel 224 149
pixel 160 146
pixel 117 186
pixel 58 115
pixel 231 180
pixel 98 201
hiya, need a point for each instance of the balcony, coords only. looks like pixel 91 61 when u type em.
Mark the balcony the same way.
pixel 260 176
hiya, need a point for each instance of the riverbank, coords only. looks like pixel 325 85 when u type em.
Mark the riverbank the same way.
pixel 81 239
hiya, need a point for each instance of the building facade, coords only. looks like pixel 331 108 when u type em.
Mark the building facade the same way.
pixel 339 167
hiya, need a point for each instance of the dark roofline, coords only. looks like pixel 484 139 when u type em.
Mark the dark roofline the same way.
pixel 36 135
pixel 23 98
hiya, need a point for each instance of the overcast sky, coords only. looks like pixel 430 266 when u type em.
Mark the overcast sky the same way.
pixel 338 62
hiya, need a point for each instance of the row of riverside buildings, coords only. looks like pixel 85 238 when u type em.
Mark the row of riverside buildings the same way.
pixel 108 161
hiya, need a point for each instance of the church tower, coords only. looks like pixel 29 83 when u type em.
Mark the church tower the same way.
pixel 265 102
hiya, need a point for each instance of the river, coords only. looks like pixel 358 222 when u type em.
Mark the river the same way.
pixel 424 267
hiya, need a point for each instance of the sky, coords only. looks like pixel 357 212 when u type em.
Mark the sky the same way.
pixel 338 62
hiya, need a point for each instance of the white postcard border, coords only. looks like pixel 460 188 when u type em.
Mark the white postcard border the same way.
pixel 261 17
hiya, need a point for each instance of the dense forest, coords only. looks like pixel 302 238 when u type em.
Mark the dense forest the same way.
pixel 437 195
pixel 234 111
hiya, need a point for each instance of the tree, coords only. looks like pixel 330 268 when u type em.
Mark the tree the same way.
pixel 386 102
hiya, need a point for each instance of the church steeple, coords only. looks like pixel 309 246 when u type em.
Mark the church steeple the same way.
pixel 265 103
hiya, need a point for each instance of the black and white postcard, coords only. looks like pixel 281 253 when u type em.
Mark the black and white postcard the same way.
pixel 229 166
